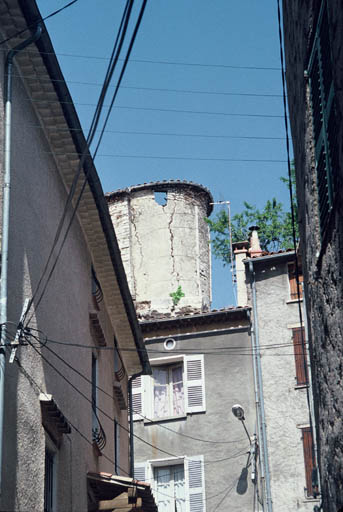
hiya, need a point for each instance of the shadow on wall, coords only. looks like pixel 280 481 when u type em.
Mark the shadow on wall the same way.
pixel 242 484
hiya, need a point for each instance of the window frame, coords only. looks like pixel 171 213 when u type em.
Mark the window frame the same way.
pixel 170 390
pixel 292 281
pixel 194 472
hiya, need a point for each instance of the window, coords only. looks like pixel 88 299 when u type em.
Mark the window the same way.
pixel 293 288
pixel 324 117
pixel 178 484
pixel 176 388
pixel 309 460
pixel 300 356
pixel 49 481
pixel 168 398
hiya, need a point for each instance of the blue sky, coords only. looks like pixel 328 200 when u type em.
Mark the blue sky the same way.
pixel 236 113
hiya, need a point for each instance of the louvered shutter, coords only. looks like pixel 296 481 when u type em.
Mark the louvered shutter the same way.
pixel 195 383
pixel 140 472
pixel 324 117
pixel 308 458
pixel 196 483
pixel 137 397
pixel 300 356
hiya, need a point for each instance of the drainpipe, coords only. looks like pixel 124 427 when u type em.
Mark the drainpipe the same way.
pixel 256 351
pixel 5 221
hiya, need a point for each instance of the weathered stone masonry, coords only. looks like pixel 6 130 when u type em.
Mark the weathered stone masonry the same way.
pixel 164 244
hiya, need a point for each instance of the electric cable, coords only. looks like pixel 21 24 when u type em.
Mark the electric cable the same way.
pixel 169 157
pixel 159 109
pixel 40 20
pixel 156 89
pixel 96 117
pixel 211 351
pixel 115 58
pixel 111 396
pixel 160 134
pixel 90 401
pixel 162 62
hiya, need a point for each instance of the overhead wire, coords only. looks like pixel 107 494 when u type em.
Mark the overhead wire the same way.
pixel 33 25
pixel 155 89
pixel 43 344
pixel 211 351
pixel 113 60
pixel 162 134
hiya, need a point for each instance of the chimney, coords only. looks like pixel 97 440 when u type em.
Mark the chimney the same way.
pixel 240 250
pixel 255 248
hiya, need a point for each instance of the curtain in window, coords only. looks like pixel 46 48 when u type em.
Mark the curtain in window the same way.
pixel 164 489
pixel 178 394
pixel 161 408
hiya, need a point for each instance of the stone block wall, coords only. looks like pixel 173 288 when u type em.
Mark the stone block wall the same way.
pixel 322 257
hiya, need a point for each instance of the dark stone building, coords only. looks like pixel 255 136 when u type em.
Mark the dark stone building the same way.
pixel 314 61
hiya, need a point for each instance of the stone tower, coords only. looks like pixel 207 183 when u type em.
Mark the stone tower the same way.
pixel 164 243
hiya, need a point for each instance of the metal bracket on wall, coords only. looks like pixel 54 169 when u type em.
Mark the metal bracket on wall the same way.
pixel 16 342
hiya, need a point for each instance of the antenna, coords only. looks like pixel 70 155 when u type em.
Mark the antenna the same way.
pixel 233 263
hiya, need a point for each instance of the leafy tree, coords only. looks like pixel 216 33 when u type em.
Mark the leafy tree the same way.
pixel 275 225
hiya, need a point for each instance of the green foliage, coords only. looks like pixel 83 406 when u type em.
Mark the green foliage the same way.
pixel 275 225
pixel 177 296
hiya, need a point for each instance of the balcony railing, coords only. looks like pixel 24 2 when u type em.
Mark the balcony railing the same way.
pixel 98 433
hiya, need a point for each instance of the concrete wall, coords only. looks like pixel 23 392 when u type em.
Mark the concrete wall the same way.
pixel 164 246
pixel 228 380
pixel 322 260
pixel 38 197
pixel 286 407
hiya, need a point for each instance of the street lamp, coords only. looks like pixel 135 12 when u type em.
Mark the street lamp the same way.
pixel 238 412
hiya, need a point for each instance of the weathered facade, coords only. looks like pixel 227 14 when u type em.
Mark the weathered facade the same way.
pixel 313 47
pixel 281 346
pixel 164 242
pixel 197 458
pixel 65 420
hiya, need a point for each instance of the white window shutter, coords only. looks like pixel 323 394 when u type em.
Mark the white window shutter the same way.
pixel 195 479
pixel 140 472
pixel 138 398
pixel 195 380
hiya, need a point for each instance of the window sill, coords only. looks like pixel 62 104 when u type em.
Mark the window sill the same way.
pixel 166 418
pixel 294 301
pixel 301 386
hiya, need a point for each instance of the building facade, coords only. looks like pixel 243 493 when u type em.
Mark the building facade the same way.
pixel 313 49
pixel 65 401
pixel 267 282
pixel 198 454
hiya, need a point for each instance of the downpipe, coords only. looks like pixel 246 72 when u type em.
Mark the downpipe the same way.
pixel 5 222
pixel 256 350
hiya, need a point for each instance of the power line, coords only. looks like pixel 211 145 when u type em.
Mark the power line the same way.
pixel 155 89
pixel 164 62
pixel 96 118
pixel 111 396
pixel 35 23
pixel 211 351
pixel 171 110
pixel 160 134
pixel 171 157
pixel 90 401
